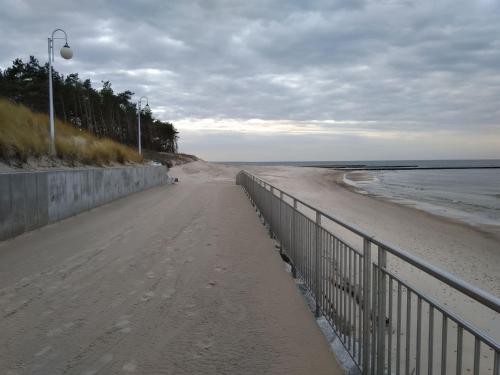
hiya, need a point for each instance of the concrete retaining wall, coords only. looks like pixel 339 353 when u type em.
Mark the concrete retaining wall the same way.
pixel 29 200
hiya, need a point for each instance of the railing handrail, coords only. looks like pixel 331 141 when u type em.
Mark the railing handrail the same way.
pixel 470 290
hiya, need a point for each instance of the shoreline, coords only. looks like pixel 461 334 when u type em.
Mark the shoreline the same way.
pixel 490 231
pixel 485 229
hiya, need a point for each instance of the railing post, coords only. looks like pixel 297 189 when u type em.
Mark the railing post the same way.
pixel 294 240
pixel 280 229
pixel 271 222
pixel 367 264
pixel 317 287
pixel 381 295
pixel 252 190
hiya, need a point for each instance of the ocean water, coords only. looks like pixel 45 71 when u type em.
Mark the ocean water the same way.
pixel 471 195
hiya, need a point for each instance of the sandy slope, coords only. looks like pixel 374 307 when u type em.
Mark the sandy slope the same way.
pixel 181 279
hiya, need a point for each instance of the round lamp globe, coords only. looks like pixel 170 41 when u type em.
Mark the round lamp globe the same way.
pixel 66 52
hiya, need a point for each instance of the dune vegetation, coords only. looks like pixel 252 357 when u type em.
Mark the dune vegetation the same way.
pixel 102 112
pixel 25 135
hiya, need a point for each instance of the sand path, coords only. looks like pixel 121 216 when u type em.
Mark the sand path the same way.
pixel 180 279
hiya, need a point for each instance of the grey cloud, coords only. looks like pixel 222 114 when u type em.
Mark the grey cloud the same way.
pixel 416 65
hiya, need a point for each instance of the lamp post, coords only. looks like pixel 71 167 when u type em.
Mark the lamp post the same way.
pixel 67 54
pixel 139 121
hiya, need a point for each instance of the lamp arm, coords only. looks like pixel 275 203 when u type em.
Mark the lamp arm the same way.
pixel 64 32
pixel 52 40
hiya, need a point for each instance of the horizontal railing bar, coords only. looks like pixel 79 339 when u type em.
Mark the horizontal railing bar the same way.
pixel 484 297
pixel 472 291
pixel 324 214
pixel 321 226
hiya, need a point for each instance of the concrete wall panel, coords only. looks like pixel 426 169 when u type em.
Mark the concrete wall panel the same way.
pixel 97 178
pixel 31 199
pixel 65 209
pixel 56 187
pixel 17 193
pixel 6 211
pixel 31 203
pixel 42 188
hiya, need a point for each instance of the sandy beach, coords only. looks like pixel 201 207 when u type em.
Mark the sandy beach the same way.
pixel 468 252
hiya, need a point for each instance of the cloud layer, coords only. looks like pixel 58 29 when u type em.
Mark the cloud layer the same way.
pixel 276 76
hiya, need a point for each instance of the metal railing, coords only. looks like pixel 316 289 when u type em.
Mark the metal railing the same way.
pixel 385 323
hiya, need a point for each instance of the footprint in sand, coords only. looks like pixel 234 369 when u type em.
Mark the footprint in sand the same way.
pixel 54 332
pixel 43 351
pixel 205 344
pixel 103 361
pixel 168 293
pixel 129 367
pixel 147 296
pixel 123 324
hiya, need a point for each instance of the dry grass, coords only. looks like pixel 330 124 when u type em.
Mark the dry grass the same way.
pixel 25 134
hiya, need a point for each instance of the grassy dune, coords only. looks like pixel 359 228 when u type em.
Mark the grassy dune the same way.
pixel 25 134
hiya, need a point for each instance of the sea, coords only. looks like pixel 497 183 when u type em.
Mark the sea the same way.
pixel 464 190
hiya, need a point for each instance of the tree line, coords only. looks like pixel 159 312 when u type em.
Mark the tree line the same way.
pixel 101 112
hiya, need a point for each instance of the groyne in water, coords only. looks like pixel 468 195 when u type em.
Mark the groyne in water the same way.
pixel 392 168
pixel 29 200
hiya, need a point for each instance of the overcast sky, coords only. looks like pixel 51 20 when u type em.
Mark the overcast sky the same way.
pixel 289 80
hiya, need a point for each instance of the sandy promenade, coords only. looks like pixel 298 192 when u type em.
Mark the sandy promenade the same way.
pixel 463 250
pixel 179 279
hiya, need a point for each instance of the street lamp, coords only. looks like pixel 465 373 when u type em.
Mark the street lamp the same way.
pixel 66 53
pixel 139 121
